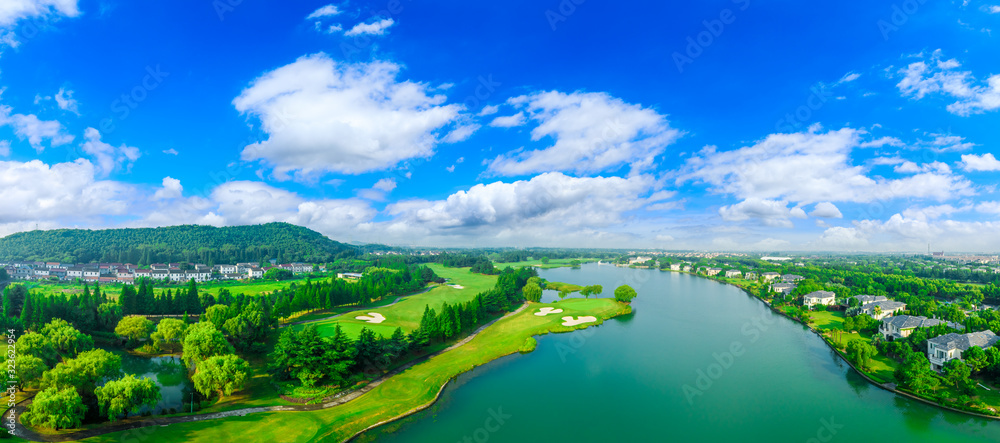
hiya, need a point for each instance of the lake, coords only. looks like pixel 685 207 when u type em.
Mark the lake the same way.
pixel 169 374
pixel 696 361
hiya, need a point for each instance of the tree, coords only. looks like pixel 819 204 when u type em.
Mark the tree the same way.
pixel 958 373
pixel 29 370
pixel 915 372
pixel 624 294
pixel 532 292
pixel 203 341
pixel 861 352
pixel 224 374
pixel 83 372
pixel 278 274
pixel 108 316
pixel 37 345
pixel 976 358
pixel 126 395
pixel 134 328
pixel 587 291
pixel 217 315
pixel 66 339
pixel 56 409
pixel 545 260
pixel 169 331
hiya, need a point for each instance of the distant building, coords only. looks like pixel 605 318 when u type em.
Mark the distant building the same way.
pixel 941 350
pixel 349 275
pixel 819 298
pixel 783 288
pixel 901 326
pixel 882 309
pixel 768 276
pixel 732 273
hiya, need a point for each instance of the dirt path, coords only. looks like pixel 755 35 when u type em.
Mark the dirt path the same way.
pixel 29 434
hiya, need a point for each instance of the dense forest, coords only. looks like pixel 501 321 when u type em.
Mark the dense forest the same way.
pixel 188 243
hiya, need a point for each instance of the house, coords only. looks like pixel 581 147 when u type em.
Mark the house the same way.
pixel 675 266
pixel 882 309
pixel 826 298
pixel 159 267
pixel 349 275
pixel 255 272
pixel 639 260
pixel 768 276
pixel 712 271
pixel 91 273
pixel 226 269
pixel 941 350
pixel 686 268
pixel 732 273
pixel 865 299
pixel 901 326
pixel 74 272
pixel 750 276
pixel 783 288
pixel 792 278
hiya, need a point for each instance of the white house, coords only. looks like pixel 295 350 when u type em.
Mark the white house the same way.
pixel 819 298
pixel 882 309
pixel 349 275
pixel 750 276
pixel 783 288
pixel 712 271
pixel 686 268
pixel 792 278
pixel 675 266
pixel 255 272
pixel 732 273
pixel 226 269
pixel 768 276
pixel 941 350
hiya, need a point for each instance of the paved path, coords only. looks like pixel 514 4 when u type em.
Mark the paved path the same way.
pixel 337 400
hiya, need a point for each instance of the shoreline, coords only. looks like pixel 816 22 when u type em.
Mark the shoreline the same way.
pixel 842 357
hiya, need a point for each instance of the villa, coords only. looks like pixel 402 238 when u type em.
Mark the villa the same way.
pixel 783 288
pixel 713 271
pixel 733 274
pixel 941 350
pixel 882 309
pixel 675 266
pixel 826 298
pixel 902 326
pixel 791 278
pixel 768 276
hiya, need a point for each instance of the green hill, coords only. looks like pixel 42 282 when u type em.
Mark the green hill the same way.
pixel 188 243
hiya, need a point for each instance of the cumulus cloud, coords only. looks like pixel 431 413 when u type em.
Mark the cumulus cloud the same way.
pixel 810 167
pixel 548 203
pixel 488 110
pixel 171 189
pixel 108 158
pixel 985 162
pixel 4 148
pixel 376 28
pixel 769 212
pixel 936 75
pixel 592 132
pixel 826 210
pixel 58 194
pixel 325 116
pixel 842 238
pixel 35 130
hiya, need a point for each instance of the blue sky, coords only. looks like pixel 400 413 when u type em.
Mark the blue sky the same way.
pixel 729 125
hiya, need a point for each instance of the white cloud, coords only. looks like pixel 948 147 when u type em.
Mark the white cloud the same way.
pixel 769 212
pixel 931 212
pixel 991 207
pixel 508 121
pixel 461 133
pixel 108 158
pixel 11 11
pixel 326 11
pixel 66 102
pixel 939 76
pixel 843 238
pixel 985 162
pixel 377 28
pixel 810 167
pixel 592 132
pixel 334 28
pixel 60 194
pixel 385 184
pixel 171 151
pixel 546 207
pixel 4 148
pixel 849 77
pixel 489 110
pixel 171 189
pixel 993 9
pixel 35 130
pixel 826 210
pixel 324 116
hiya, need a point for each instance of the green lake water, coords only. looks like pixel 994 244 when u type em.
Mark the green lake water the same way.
pixel 766 379
pixel 168 373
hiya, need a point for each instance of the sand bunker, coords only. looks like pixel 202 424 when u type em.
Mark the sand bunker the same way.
pixel 570 321
pixel 372 317
pixel 457 286
pixel 546 311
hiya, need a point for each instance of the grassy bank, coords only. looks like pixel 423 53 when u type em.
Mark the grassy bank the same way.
pixel 402 394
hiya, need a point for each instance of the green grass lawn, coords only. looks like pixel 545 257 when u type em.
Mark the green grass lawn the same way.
pixel 412 388
pixel 407 312
pixel 553 263
pixel 825 320
pixel 254 287
pixel 559 286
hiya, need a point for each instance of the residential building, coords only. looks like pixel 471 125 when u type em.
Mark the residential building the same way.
pixel 783 288
pixel 901 326
pixel 768 276
pixel 882 309
pixel 750 276
pixel 792 278
pixel 819 298
pixel 712 271
pixel 675 266
pixel 732 273
pixel 349 275
pixel 941 350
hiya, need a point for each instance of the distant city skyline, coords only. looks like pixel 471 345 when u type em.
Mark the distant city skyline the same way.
pixel 729 125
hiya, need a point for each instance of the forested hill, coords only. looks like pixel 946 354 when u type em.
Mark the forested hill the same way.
pixel 188 243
